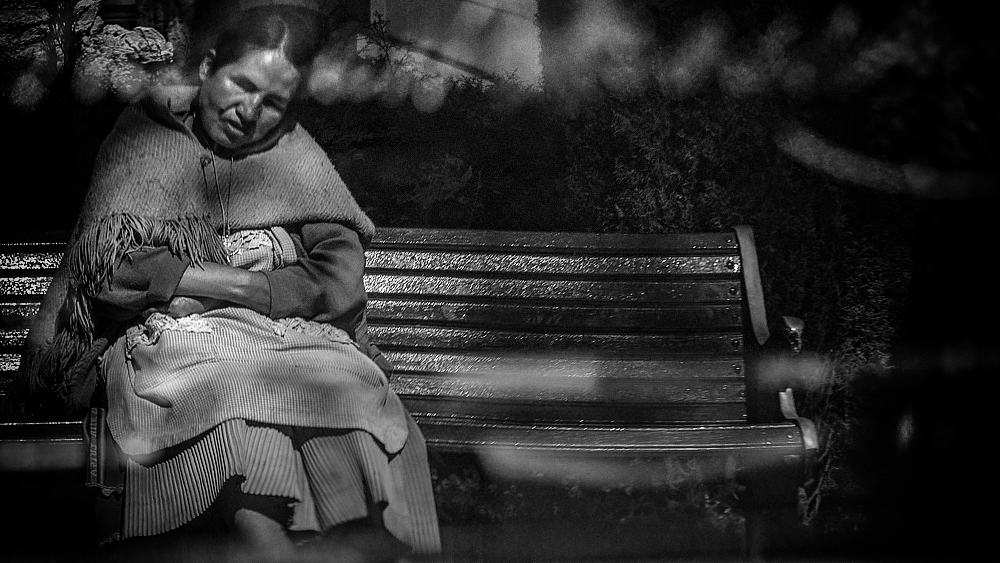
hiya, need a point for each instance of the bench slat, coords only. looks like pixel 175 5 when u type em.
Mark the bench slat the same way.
pixel 447 434
pixel 17 315
pixel 413 238
pixel 382 284
pixel 13 338
pixel 9 362
pixel 532 314
pixel 487 412
pixel 27 259
pixel 554 242
pixel 618 379
pixel 559 264
pixel 22 285
pixel 422 284
pixel 42 447
pixel 528 387
pixel 724 345
pixel 544 364
pixel 379 258
pixel 568 412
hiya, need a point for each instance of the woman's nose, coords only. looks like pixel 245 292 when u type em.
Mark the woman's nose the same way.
pixel 249 109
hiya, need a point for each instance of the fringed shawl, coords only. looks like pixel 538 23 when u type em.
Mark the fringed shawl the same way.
pixel 155 184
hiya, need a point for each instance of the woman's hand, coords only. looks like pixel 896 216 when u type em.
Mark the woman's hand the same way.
pixel 179 307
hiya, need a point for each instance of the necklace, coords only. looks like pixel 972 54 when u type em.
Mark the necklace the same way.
pixel 227 241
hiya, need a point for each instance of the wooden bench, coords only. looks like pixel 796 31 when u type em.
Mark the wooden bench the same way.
pixel 530 347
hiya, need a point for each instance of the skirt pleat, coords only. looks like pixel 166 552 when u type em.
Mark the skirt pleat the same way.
pixel 328 477
pixel 351 472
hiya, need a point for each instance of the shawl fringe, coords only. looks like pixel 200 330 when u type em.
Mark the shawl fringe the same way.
pixel 54 374
pixel 93 258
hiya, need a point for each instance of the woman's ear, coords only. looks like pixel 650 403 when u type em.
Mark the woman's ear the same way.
pixel 205 68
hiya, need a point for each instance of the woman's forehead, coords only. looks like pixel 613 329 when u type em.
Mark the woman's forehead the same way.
pixel 266 68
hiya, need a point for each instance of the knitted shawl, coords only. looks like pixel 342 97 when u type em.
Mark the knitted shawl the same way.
pixel 155 184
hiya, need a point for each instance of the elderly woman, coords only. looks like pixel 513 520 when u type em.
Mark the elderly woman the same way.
pixel 215 281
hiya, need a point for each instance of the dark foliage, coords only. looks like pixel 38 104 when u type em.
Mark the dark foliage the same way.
pixel 500 156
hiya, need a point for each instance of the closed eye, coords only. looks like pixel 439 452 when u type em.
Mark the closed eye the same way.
pixel 277 103
pixel 245 84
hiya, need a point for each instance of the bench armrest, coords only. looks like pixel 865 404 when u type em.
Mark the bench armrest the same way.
pixel 810 438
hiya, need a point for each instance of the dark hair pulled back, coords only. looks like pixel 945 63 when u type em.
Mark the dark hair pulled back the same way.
pixel 297 31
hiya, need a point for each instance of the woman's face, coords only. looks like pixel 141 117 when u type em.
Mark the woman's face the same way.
pixel 241 102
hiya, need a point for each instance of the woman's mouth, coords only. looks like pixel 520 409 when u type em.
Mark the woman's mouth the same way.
pixel 238 129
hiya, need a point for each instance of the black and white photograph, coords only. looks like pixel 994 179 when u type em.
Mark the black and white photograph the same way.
pixel 513 281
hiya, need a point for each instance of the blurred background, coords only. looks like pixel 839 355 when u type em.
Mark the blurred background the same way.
pixel 858 139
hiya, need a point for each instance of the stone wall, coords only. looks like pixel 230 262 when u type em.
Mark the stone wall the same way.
pixel 65 74
pixel 51 48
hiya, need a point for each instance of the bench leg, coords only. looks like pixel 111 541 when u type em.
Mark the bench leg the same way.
pixel 770 507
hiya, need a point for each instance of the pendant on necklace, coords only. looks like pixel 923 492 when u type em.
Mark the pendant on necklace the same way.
pixel 230 246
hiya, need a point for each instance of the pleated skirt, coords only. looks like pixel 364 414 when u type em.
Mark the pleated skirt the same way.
pixel 324 477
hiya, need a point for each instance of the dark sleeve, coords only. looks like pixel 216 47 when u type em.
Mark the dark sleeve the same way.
pixel 327 283
pixel 141 278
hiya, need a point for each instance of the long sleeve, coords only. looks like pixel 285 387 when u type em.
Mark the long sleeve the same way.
pixel 326 283
pixel 142 278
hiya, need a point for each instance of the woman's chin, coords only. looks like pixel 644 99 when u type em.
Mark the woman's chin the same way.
pixel 225 137
pixel 230 143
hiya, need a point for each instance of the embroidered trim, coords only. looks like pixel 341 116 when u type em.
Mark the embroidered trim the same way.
pixel 148 333
pixel 257 250
pixel 312 328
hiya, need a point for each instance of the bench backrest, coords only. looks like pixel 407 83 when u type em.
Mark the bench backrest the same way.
pixel 515 327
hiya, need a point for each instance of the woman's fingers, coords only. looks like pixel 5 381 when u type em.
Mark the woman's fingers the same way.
pixel 184 306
